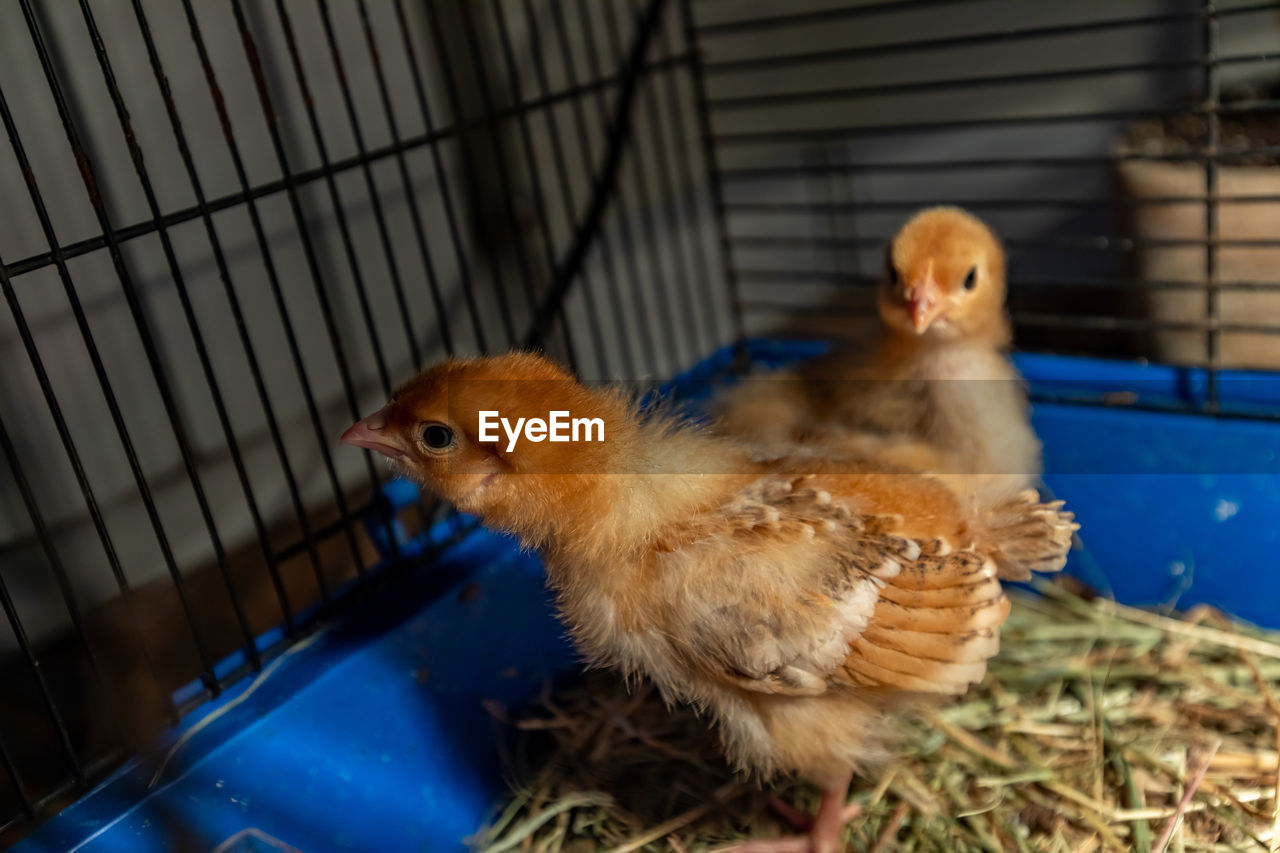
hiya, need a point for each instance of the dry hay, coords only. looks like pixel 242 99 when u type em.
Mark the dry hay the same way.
pixel 1098 727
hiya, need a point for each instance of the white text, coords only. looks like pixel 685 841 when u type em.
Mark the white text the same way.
pixel 558 426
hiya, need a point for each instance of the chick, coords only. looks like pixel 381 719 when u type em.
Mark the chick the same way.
pixel 792 601
pixel 934 391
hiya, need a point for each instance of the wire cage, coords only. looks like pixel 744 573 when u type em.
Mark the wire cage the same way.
pixel 229 229
pixel 1092 138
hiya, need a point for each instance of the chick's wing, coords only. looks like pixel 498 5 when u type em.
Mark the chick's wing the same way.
pixel 797 594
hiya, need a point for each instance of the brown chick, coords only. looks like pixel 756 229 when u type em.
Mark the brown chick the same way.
pixel 934 391
pixel 790 602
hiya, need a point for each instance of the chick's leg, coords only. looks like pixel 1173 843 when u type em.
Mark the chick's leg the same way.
pixel 825 832
pixel 802 822
pixel 799 821
pixel 833 814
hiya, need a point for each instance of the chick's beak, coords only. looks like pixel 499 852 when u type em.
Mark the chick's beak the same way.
pixel 924 302
pixel 372 433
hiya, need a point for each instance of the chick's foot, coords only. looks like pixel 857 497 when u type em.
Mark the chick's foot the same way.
pixel 826 830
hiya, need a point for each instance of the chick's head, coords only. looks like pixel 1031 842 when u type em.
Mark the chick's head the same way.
pixel 444 429
pixel 944 277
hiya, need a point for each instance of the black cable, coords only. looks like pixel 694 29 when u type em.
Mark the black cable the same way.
pixel 619 132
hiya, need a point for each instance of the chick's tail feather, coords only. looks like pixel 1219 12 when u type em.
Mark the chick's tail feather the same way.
pixel 1022 535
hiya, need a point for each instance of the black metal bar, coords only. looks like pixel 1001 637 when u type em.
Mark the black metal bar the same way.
pixel 763 172
pixel 151 351
pixel 202 356
pixel 847 93
pixel 58 568
pixel 684 160
pixel 442 180
pixel 569 205
pixel 1125 324
pixel 45 539
pixel 242 330
pixel 375 198
pixel 149 226
pixel 1242 58
pixel 801 276
pixel 824 208
pixel 816 16
pixel 646 348
pixel 11 769
pixel 327 531
pixel 749 102
pixel 443 326
pixel 660 283
pixel 317 535
pixel 627 217
pixel 1149 284
pixel 1087 242
pixel 1058 321
pixel 508 189
pixel 754 137
pixel 622 216
pixel 618 132
pixel 596 327
pixel 772 22
pixel 251 193
pixel 797 277
pixel 92 771
pixel 194 699
pixel 470 169
pixel 714 173
pixel 46 697
pixel 271 119
pixel 77 469
pixel 335 198
pixel 379 216
pixel 666 189
pixel 1212 242
pixel 19 787
pixel 273 279
pixel 117 418
pixel 88 176
pixel 1008 34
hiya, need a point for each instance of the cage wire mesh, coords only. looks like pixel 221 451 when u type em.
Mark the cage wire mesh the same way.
pixel 229 228
pixel 1124 151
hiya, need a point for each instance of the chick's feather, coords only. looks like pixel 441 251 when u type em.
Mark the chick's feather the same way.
pixel 792 600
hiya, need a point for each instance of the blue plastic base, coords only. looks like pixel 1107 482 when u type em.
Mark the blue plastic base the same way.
pixel 375 736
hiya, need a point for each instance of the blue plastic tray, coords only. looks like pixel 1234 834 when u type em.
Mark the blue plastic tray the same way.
pixel 375 736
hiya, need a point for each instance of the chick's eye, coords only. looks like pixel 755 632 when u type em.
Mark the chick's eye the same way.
pixel 437 437
pixel 971 280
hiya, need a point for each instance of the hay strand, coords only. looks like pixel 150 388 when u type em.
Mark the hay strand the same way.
pixel 1099 727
